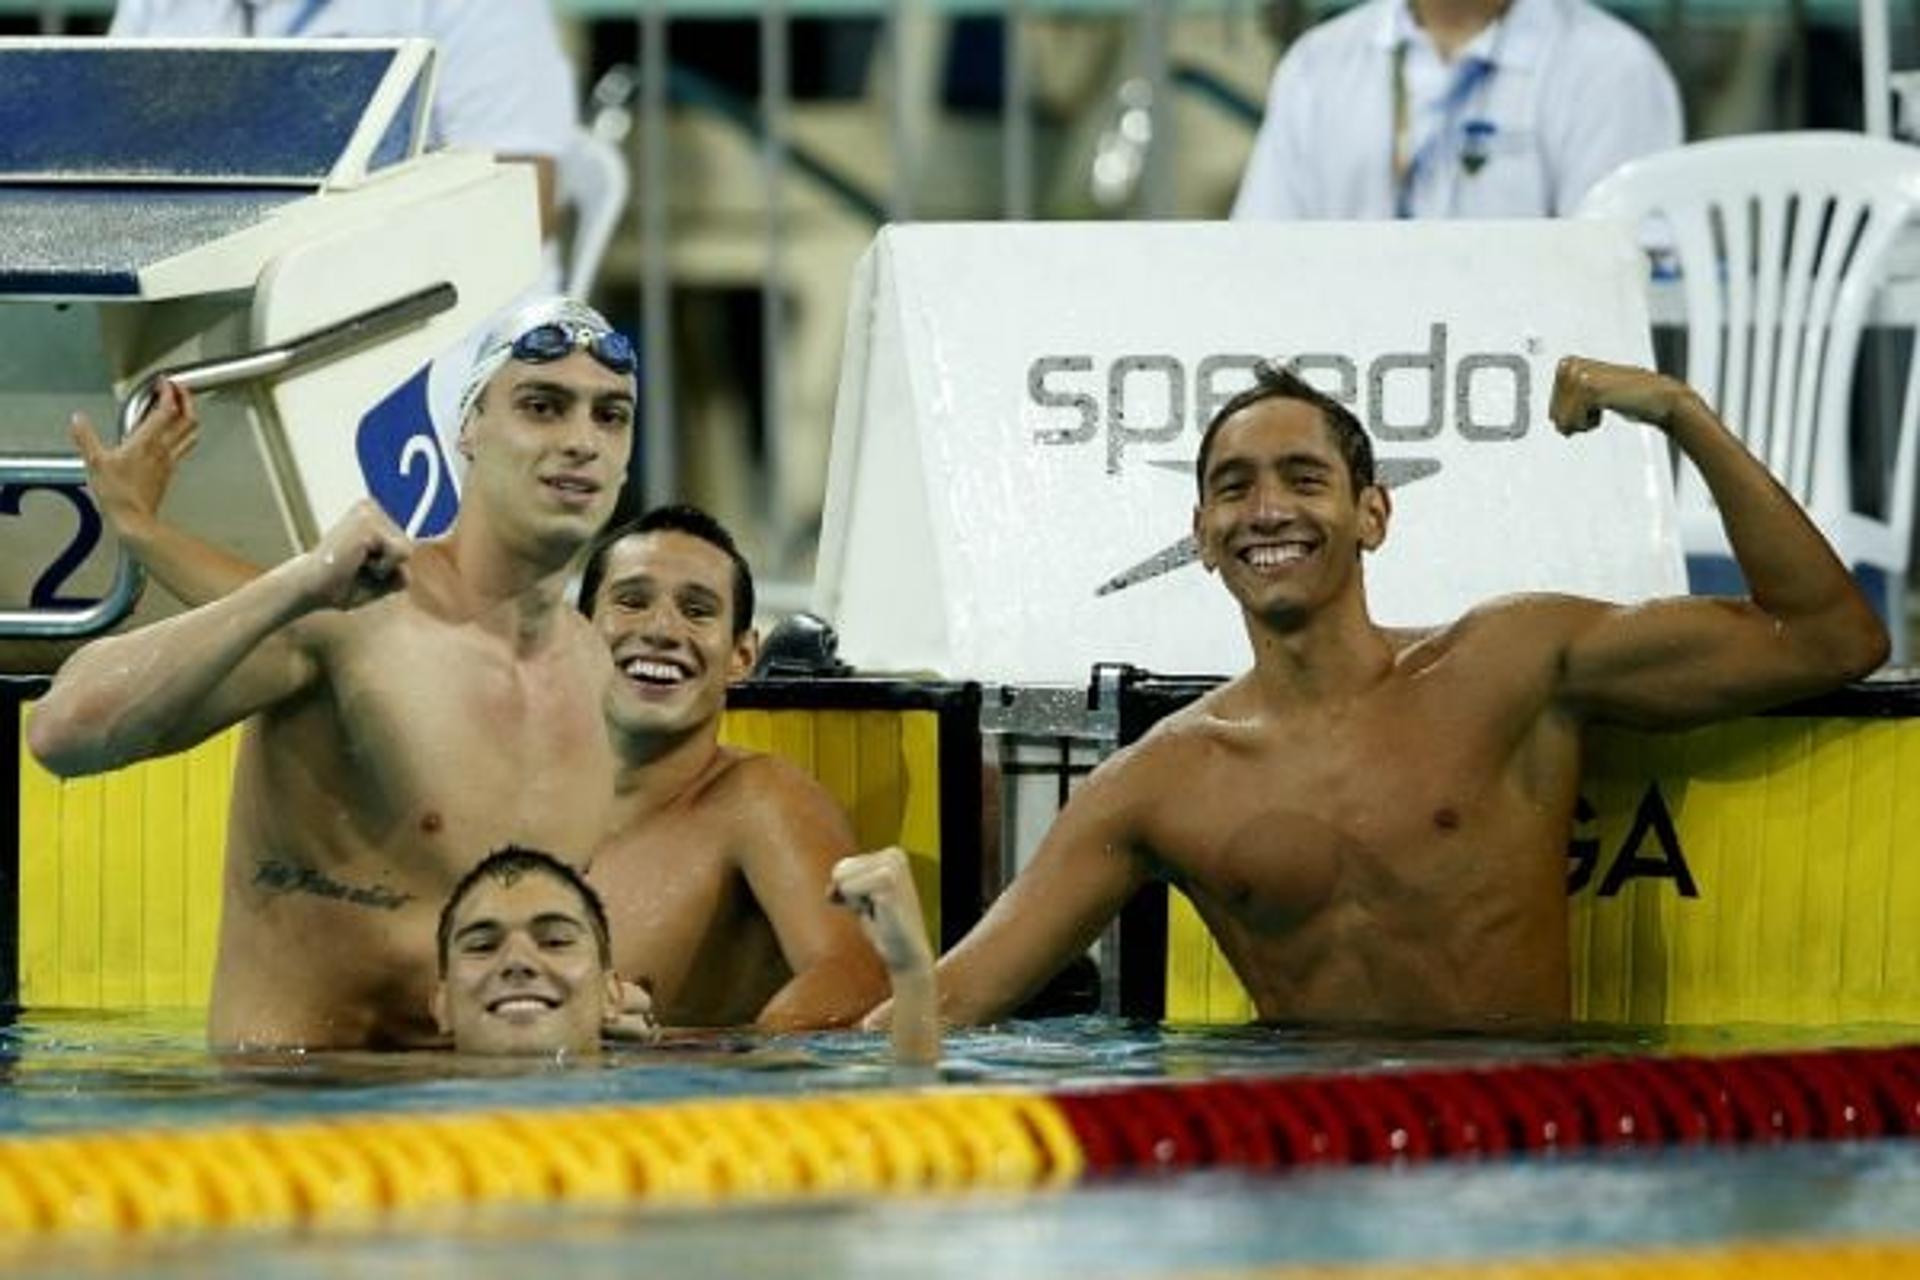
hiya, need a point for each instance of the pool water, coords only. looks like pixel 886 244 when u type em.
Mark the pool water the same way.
pixel 65 1071
pixel 95 1071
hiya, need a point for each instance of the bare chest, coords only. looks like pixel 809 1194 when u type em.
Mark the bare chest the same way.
pixel 456 743
pixel 1390 807
pixel 668 884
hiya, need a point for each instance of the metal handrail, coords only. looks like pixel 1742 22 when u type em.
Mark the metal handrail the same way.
pixel 58 471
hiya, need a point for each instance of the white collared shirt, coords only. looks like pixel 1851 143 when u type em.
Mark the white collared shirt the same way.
pixel 1572 93
pixel 504 85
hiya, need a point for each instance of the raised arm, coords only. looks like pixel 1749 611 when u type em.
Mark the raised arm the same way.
pixel 1084 871
pixel 169 685
pixel 129 483
pixel 794 834
pixel 1803 629
pixel 878 889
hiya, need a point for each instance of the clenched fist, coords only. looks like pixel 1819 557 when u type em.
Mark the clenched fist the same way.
pixel 1583 389
pixel 359 559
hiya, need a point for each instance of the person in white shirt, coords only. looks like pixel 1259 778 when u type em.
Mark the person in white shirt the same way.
pixel 1456 109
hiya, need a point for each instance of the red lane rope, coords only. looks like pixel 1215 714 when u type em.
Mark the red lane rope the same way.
pixel 1409 1116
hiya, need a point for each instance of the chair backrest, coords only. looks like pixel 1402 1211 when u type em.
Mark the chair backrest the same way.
pixel 593 185
pixel 1781 240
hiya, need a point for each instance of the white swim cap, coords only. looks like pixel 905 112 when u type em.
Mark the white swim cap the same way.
pixel 581 321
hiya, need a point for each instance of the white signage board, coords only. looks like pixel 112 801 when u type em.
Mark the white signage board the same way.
pixel 1020 406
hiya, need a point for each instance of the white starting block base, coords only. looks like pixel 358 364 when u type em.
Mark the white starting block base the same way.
pixel 203 237
pixel 1021 405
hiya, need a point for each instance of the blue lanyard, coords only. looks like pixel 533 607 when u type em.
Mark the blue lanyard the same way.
pixel 1470 79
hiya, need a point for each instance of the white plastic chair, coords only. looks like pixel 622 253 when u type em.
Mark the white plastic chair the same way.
pixel 592 179
pixel 1782 241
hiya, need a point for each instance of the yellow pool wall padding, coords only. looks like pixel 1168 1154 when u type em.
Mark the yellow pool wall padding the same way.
pixel 376 1170
pixel 1797 832
pixel 120 874
pixel 1802 836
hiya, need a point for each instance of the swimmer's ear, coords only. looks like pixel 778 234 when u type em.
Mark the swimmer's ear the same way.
pixel 1206 559
pixel 1376 508
pixel 746 650
pixel 438 1007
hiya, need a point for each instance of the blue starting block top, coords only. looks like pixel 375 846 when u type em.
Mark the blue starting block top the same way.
pixel 89 242
pixel 118 154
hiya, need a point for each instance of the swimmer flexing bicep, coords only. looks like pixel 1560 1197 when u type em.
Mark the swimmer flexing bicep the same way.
pixel 170 685
pixel 1804 628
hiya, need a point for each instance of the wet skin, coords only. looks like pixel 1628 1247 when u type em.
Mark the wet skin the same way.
pixel 1373 823
pixel 410 708
pixel 716 869
pixel 524 975
pixel 454 717
pixel 1378 848
pixel 1377 845
pixel 1398 865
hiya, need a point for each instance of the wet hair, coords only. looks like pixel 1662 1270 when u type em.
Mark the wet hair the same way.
pixel 1274 381
pixel 676 518
pixel 507 865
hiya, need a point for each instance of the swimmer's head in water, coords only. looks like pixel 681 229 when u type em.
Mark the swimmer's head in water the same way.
pixel 1276 382
pixel 541 331
pixel 526 964
pixel 678 518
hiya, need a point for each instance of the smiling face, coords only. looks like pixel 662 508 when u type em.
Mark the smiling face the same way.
pixel 525 973
pixel 665 609
pixel 547 446
pixel 1278 518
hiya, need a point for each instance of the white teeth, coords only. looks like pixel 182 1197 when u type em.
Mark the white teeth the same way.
pixel 644 669
pixel 522 1004
pixel 1272 557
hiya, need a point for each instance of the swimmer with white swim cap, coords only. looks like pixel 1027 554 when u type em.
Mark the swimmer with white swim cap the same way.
pixel 541 331
pixel 1373 823
pixel 409 706
pixel 744 855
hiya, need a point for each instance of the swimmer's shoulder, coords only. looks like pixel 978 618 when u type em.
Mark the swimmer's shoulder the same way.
pixel 396 623
pixel 1213 721
pixel 434 584
pixel 768 789
pixel 1517 631
pixel 332 634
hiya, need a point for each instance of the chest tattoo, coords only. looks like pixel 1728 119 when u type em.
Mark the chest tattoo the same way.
pixel 277 877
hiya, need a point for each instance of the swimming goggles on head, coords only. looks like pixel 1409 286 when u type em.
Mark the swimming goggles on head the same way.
pixel 557 339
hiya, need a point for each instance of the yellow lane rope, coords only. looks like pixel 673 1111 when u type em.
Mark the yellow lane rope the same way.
pixel 373 1169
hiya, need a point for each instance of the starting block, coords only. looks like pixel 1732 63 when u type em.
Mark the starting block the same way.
pixel 249 214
